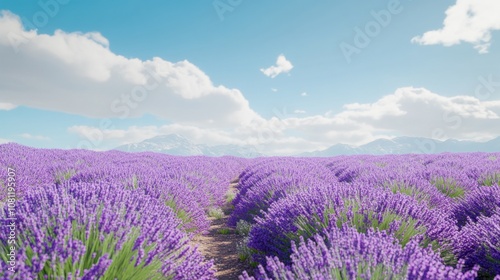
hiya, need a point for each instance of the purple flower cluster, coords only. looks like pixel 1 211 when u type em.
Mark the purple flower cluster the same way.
pixel 257 190
pixel 305 214
pixel 56 224
pixel 107 215
pixel 479 243
pixel 482 201
pixel 444 209
pixel 192 184
pixel 347 254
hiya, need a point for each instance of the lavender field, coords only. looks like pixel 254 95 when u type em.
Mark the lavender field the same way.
pixel 79 214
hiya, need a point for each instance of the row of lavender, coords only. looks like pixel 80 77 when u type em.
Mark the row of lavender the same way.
pixel 110 215
pixel 372 217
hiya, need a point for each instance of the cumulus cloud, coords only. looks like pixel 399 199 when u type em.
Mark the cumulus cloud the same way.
pixel 282 66
pixel 134 134
pixel 268 139
pixel 34 137
pixel 77 73
pixel 420 112
pixel 408 111
pixel 7 106
pixel 470 21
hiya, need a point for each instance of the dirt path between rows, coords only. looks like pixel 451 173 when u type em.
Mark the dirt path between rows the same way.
pixel 222 247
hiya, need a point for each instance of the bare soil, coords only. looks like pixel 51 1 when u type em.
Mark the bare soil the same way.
pixel 222 247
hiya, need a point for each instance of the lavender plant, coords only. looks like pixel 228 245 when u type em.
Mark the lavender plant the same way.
pixel 360 207
pixel 348 254
pixel 479 243
pixel 85 231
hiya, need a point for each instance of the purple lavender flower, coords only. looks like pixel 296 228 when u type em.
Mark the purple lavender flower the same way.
pixel 482 201
pixel 347 254
pixel 479 243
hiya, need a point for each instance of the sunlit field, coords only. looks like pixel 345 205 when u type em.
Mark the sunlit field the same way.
pixel 112 215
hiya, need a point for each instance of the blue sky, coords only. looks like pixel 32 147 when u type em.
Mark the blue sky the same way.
pixel 344 72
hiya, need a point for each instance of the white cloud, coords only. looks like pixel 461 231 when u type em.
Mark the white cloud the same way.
pixel 266 138
pixel 34 137
pixel 408 111
pixel 7 106
pixel 4 141
pixel 470 21
pixel 299 111
pixel 77 73
pixel 274 89
pixel 134 134
pixel 282 66
pixel 304 94
pixel 420 112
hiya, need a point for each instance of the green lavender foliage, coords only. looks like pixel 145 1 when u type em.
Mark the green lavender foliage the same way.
pixel 448 187
pixel 216 212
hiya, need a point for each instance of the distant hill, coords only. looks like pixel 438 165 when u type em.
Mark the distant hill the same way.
pixel 408 145
pixel 174 144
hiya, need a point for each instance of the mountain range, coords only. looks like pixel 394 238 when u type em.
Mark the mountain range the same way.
pixel 174 144
pixel 409 145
